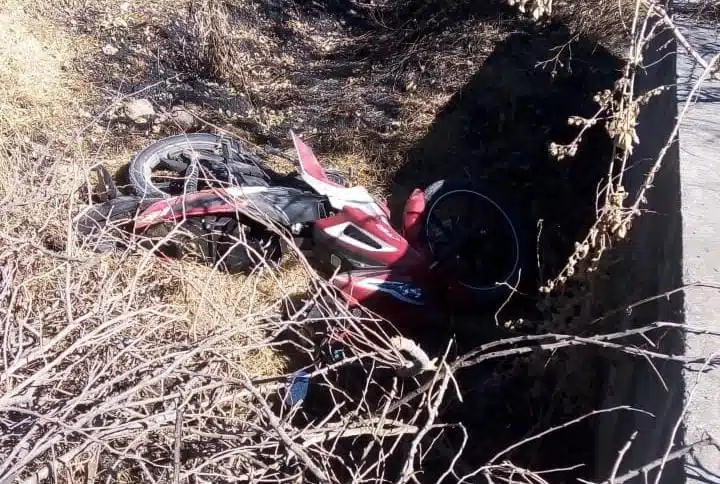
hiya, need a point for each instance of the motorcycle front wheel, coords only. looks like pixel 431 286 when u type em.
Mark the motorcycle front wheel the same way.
pixel 480 234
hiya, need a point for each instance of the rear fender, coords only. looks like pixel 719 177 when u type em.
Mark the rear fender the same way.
pixel 412 217
pixel 244 201
pixel 309 167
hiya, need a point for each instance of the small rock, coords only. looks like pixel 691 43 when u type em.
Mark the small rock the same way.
pixel 139 111
pixel 182 118
pixel 110 49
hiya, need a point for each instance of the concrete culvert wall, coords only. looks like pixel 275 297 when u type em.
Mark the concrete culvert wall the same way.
pixel 673 244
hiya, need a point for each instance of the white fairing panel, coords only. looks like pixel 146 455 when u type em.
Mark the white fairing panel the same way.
pixel 240 191
pixel 337 232
pixel 338 196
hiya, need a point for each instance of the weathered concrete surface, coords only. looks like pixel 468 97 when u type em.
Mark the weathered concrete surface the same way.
pixel 677 242
pixel 700 189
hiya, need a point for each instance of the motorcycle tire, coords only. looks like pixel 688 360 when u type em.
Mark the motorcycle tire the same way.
pixel 99 224
pixel 157 156
pixel 495 262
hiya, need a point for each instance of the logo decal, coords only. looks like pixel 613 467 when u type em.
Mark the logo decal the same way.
pixel 400 290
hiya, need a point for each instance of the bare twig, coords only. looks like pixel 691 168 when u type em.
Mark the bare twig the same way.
pixel 644 470
pixel 678 423
pixel 621 454
pixel 565 425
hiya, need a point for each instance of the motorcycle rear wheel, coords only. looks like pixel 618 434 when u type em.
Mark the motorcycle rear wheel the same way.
pixel 158 171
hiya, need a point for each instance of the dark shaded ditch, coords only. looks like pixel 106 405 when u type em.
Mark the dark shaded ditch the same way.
pixel 650 264
pixel 495 130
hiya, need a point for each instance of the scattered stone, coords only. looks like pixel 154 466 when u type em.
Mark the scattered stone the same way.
pixel 139 111
pixel 182 118
pixel 110 49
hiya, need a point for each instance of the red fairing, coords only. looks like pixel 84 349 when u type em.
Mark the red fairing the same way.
pixel 205 202
pixel 385 292
pixel 412 216
pixel 384 206
pixel 402 254
pixel 309 163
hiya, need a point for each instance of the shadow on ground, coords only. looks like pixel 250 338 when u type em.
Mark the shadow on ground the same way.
pixel 496 130
pixel 649 265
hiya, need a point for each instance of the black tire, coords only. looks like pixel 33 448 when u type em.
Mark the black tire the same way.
pixel 103 225
pixel 495 249
pixel 141 168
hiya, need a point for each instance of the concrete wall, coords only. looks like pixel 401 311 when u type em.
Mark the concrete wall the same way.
pixel 700 193
pixel 674 244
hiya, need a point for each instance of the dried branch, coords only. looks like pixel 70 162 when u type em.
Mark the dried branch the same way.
pixel 679 421
pixel 662 12
pixel 644 470
pixel 275 423
pixel 565 425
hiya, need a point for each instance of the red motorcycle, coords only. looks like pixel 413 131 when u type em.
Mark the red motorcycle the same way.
pixel 456 241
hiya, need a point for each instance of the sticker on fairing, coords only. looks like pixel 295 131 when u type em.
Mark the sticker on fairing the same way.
pixel 400 290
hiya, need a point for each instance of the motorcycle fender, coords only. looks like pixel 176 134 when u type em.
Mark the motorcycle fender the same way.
pixel 379 288
pixel 207 202
pixel 412 216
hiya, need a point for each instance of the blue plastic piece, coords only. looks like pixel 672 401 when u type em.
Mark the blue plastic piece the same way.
pixel 298 387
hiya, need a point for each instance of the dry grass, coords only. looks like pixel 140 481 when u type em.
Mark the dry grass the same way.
pixel 37 91
pixel 64 304
pixel 42 93
pixel 98 348
pixel 215 51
